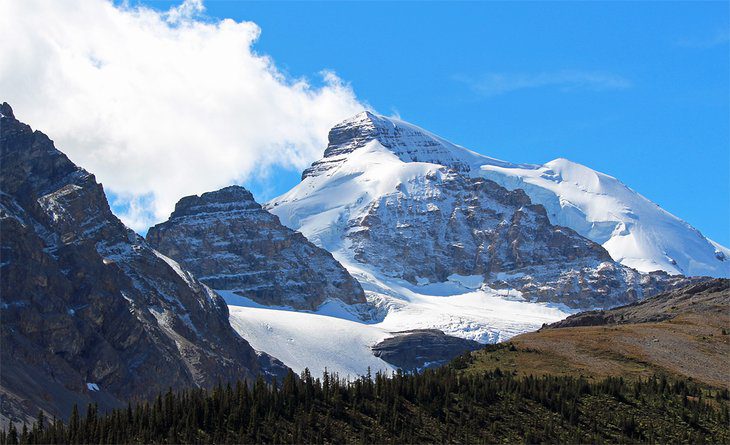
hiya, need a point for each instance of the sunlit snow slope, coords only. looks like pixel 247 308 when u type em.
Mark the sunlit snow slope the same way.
pixel 635 231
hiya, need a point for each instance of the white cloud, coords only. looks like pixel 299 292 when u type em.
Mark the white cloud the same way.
pixel 160 104
pixel 494 84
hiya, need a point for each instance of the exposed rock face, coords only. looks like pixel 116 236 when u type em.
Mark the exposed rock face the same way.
pixel 89 310
pixel 635 231
pixel 419 349
pixel 443 223
pixel 230 243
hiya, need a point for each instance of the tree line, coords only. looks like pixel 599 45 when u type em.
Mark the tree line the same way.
pixel 443 405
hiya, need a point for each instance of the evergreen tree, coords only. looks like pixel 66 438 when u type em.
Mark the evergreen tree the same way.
pixel 445 404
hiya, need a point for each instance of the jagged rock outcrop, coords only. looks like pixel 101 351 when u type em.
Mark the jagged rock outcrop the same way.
pixel 230 243
pixel 89 311
pixel 407 142
pixel 419 349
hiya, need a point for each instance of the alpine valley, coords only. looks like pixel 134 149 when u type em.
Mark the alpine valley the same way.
pixel 397 250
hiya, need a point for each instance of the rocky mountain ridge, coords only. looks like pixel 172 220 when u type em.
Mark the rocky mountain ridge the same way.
pixel 474 227
pixel 227 240
pixel 409 143
pixel 680 333
pixel 89 311
pixel 704 297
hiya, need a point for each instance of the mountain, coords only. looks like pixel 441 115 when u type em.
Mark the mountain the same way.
pixel 90 312
pixel 635 231
pixel 684 333
pixel 632 229
pixel 230 243
pixel 435 245
pixel 395 199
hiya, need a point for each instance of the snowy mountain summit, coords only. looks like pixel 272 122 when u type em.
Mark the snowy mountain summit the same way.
pixel 369 157
pixel 408 142
pixel 438 238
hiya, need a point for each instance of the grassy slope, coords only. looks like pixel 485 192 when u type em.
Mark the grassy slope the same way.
pixel 689 343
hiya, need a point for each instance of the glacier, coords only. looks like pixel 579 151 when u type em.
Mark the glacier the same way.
pixel 338 339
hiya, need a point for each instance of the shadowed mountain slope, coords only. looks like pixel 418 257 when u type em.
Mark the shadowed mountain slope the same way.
pixel 89 311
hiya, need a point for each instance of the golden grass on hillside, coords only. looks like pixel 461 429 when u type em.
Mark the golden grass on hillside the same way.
pixel 690 345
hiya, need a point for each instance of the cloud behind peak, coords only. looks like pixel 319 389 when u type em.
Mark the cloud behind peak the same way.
pixel 160 104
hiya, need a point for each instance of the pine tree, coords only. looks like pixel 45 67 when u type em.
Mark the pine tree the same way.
pixel 12 437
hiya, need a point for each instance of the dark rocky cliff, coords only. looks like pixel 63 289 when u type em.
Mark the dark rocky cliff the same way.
pixel 89 311
pixel 231 243
pixel 419 349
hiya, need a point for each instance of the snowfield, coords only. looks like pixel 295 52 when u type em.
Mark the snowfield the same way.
pixel 337 338
pixel 635 231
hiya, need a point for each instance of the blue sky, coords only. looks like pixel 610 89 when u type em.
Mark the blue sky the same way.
pixel 638 90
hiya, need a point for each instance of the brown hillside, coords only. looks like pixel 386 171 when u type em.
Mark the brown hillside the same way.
pixel 678 333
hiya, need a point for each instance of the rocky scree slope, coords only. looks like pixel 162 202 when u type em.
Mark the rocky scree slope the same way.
pixel 230 243
pixel 393 198
pixel 89 311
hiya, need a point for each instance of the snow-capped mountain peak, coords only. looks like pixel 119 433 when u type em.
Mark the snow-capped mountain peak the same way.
pixel 635 231
pixel 436 244
pixel 368 149
pixel 406 141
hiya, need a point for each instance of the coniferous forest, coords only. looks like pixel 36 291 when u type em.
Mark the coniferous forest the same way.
pixel 443 405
